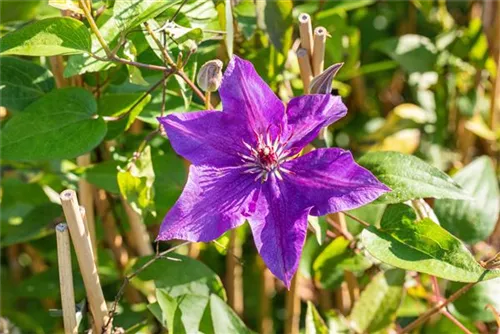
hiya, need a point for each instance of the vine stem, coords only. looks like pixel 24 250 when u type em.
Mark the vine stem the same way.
pixel 440 305
pixel 136 272
pixel 113 57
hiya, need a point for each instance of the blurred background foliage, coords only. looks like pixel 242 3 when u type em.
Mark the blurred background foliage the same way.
pixel 417 78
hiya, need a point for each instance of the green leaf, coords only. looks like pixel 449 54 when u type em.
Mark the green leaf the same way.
pixel 319 226
pixel 185 276
pixel 130 13
pixel 472 221
pixel 22 82
pixel 279 24
pixel 170 177
pixel 223 317
pixel 171 313
pixel 337 257
pixel 314 323
pixel 37 224
pixel 49 37
pixel 136 183
pixel 472 304
pixel 421 245
pixel 309 253
pixel 377 305
pixel 246 16
pixel 414 53
pixel 117 105
pixel 409 178
pixel 62 124
pixel 103 175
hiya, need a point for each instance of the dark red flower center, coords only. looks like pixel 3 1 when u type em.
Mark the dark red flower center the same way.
pixel 267 157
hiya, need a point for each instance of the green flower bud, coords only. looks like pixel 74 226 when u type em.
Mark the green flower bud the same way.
pixel 210 76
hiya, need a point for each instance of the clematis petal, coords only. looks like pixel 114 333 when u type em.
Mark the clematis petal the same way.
pixel 249 99
pixel 308 114
pixel 279 228
pixel 214 200
pixel 329 180
pixel 205 137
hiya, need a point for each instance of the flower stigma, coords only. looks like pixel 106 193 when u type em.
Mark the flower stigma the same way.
pixel 266 157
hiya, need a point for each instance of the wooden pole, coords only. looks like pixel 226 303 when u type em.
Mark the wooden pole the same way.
pixel 85 255
pixel 318 58
pixel 305 68
pixel 142 242
pixel 66 279
pixel 234 273
pixel 266 294
pixel 292 303
pixel 306 37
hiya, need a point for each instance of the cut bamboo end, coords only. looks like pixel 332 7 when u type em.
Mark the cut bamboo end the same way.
pixel 318 58
pixel 306 36
pixel 305 68
pixel 140 234
pixel 84 253
pixel 66 279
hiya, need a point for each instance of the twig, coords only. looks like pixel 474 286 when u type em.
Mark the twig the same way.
pixel 129 277
pixel 66 279
pixel 94 28
pixel 426 315
pixel 149 91
pixel 362 222
pixel 339 228
pixel 86 262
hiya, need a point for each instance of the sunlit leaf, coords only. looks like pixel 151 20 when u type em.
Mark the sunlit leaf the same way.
pixel 405 242
pixel 49 37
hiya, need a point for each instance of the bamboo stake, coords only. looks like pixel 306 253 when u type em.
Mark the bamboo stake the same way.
pixel 495 97
pixel 318 58
pixel 66 279
pixel 85 193
pixel 306 36
pixel 292 302
pixel 140 234
pixel 115 242
pixel 305 69
pixel 234 273
pixel 86 261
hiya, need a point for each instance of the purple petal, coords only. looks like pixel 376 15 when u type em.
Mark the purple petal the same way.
pixel 279 228
pixel 214 200
pixel 249 99
pixel 308 114
pixel 329 181
pixel 205 137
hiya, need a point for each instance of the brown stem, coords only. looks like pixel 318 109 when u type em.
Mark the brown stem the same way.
pixel 362 222
pixel 426 315
pixel 129 277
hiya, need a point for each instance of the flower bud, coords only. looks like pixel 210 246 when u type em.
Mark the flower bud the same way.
pixel 210 76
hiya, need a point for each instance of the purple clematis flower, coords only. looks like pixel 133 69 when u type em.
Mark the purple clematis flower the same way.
pixel 246 166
